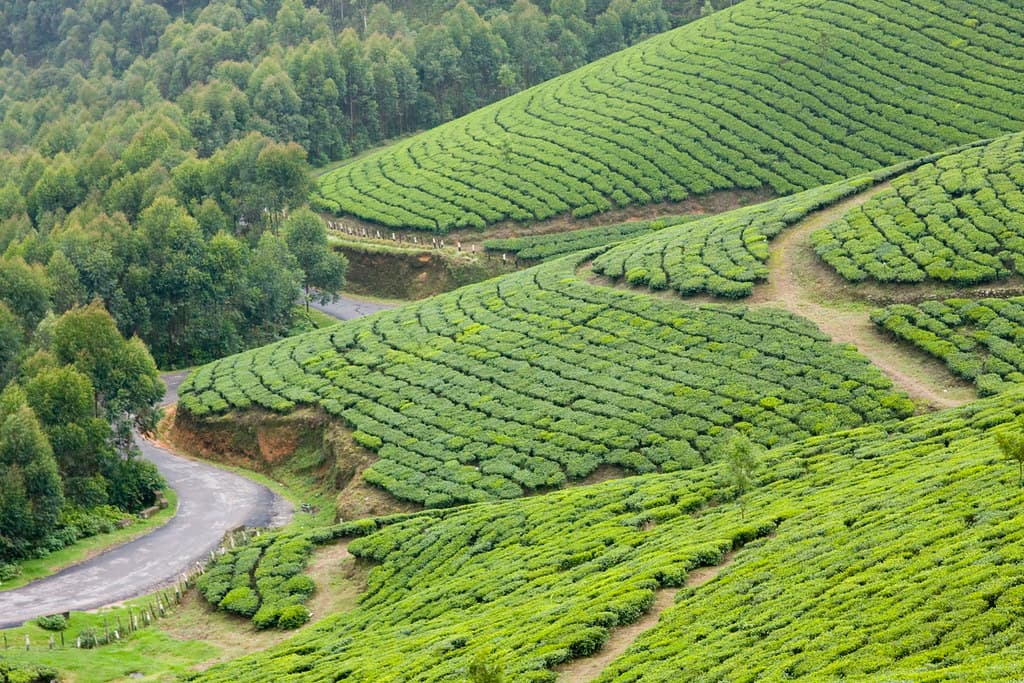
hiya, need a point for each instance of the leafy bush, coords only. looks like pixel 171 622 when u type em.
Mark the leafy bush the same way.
pixel 242 600
pixel 293 616
pixel 9 571
pixel 266 616
pixel 54 622
pixel 11 672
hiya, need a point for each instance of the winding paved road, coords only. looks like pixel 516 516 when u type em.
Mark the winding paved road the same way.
pixel 211 501
pixel 349 309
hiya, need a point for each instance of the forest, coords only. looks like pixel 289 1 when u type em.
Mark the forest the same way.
pixel 75 391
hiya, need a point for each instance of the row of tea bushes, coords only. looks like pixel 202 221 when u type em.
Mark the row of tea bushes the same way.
pixel 770 94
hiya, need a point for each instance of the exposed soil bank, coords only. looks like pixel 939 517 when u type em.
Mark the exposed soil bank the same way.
pixel 307 441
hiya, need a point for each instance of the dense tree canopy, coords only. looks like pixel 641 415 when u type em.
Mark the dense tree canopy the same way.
pixel 75 389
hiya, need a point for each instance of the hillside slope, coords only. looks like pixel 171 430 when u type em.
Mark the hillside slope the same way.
pixel 788 94
pixel 526 381
pixel 889 552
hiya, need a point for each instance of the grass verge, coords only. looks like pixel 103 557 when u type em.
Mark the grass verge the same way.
pixel 87 548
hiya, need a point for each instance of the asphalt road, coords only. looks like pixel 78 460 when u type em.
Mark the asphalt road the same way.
pixel 349 309
pixel 172 380
pixel 210 502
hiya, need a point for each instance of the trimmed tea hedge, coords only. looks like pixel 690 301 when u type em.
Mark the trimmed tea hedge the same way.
pixel 981 341
pixel 260 579
pixel 779 93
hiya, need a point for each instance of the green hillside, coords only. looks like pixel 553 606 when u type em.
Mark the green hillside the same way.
pixel 956 220
pixel 527 380
pixel 788 94
pixel 978 340
pixel 884 553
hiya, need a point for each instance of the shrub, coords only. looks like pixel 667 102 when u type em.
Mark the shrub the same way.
pixel 243 601
pixel 367 440
pixel 266 617
pixel 9 571
pixel 293 616
pixel 299 585
pixel 54 622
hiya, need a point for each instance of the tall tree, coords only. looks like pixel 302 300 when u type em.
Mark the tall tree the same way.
pixel 126 385
pixel 740 461
pixel 1011 443
pixel 62 398
pixel 323 269
pixel 30 487
pixel 24 288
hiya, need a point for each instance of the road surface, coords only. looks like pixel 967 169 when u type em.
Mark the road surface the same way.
pixel 346 308
pixel 211 501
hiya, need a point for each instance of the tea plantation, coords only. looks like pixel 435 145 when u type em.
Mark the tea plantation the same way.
pixel 786 94
pixel 958 220
pixel 981 341
pixel 890 551
pixel 525 381
pixel 726 255
pixel 549 246
pixel 723 255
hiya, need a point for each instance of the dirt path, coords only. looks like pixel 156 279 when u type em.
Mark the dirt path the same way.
pixel 802 284
pixel 589 668
pixel 339 582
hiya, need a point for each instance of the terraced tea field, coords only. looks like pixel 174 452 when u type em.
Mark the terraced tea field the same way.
pixel 786 94
pixel 888 552
pixel 524 382
pixel 958 220
pixel 981 341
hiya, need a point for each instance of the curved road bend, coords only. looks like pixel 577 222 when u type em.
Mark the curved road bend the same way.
pixel 211 501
